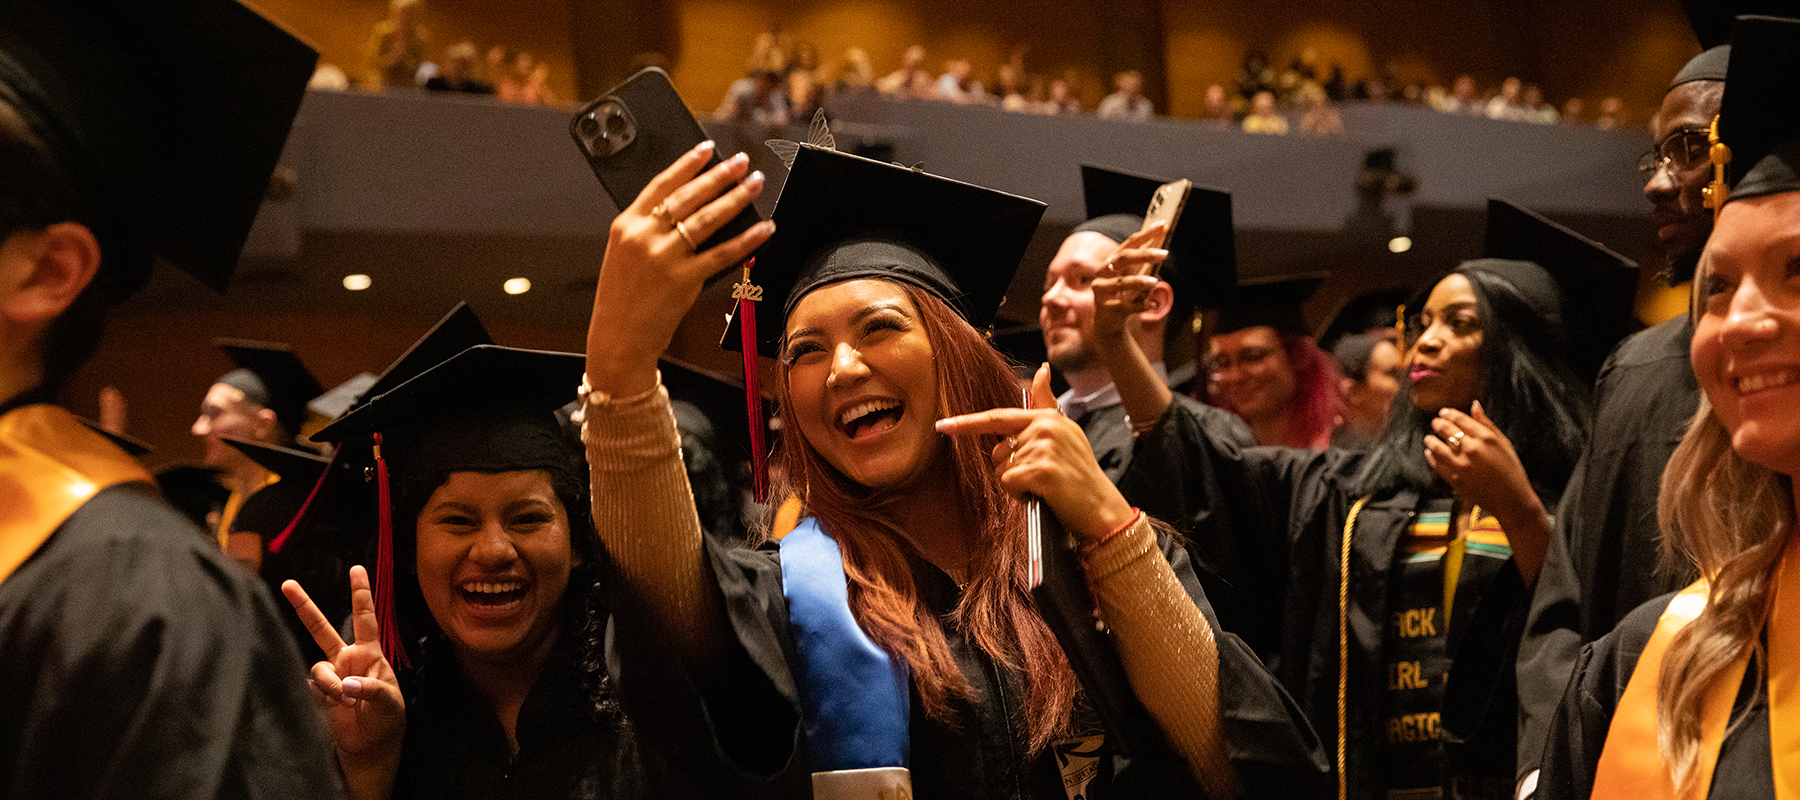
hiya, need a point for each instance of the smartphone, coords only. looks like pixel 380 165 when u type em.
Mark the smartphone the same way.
pixel 636 130
pixel 1166 207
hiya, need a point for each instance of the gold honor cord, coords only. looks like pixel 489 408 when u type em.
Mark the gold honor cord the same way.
pixel 1344 645
pixel 1713 194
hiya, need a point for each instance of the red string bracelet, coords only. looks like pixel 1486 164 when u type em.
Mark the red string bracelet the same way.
pixel 1136 514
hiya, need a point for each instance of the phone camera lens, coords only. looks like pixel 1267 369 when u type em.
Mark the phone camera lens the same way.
pixel 589 126
pixel 615 125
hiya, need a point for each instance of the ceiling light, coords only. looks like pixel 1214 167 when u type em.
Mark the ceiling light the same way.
pixel 1399 244
pixel 517 286
pixel 357 282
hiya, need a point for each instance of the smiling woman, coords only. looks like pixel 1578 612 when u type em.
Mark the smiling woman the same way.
pixel 889 643
pixel 491 572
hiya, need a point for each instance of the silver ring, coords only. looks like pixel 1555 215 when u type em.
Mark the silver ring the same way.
pixel 682 229
pixel 1455 441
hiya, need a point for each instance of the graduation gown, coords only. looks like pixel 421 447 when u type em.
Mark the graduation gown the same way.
pixel 140 662
pixel 743 731
pixel 1577 731
pixel 1604 552
pixel 1109 433
pixel 456 748
pixel 1268 524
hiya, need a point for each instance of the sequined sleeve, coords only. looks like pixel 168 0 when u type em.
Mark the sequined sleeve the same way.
pixel 644 512
pixel 1167 647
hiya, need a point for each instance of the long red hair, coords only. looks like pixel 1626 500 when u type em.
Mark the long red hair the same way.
pixel 995 610
pixel 1318 401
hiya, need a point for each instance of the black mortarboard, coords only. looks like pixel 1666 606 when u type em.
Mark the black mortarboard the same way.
pixel 457 331
pixel 170 116
pixel 842 217
pixel 1601 281
pixel 1712 20
pixel 1275 304
pixel 486 409
pixel 1202 262
pixel 1366 312
pixel 133 446
pixel 194 491
pixel 1759 116
pixel 272 507
pixel 271 376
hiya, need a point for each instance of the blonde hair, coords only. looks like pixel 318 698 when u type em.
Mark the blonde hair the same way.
pixel 1731 518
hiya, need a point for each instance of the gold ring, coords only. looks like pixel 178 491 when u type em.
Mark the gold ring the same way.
pixel 1455 441
pixel 682 229
pixel 662 212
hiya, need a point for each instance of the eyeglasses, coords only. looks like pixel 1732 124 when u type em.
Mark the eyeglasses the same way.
pixel 1247 357
pixel 1683 149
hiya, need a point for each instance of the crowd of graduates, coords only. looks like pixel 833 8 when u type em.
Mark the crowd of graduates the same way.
pixel 1495 542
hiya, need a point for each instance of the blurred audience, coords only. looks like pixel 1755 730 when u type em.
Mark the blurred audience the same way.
pixel 457 72
pixel 1263 118
pixel 1127 101
pixel 1612 114
pixel 900 82
pixel 1321 117
pixel 397 48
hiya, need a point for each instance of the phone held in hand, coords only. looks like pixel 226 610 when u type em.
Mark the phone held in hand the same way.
pixel 634 131
pixel 1166 207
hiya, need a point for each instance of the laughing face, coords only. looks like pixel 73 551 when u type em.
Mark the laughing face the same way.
pixel 1746 346
pixel 493 561
pixel 862 385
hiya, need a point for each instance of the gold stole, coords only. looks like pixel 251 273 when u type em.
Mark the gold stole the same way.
pixel 1631 765
pixel 50 464
pixel 234 503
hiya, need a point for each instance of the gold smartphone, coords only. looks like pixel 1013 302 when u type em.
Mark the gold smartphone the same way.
pixel 1166 207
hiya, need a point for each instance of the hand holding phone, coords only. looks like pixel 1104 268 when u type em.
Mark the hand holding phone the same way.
pixel 1165 209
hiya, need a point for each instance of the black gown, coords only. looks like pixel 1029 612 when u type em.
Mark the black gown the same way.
pixel 140 662
pixel 456 748
pixel 1577 736
pixel 1604 552
pixel 1267 523
pixel 1109 433
pixel 743 732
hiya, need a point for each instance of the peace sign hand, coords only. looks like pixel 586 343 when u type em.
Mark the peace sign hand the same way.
pixel 356 687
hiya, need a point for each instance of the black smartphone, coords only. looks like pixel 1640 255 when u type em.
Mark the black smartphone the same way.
pixel 637 129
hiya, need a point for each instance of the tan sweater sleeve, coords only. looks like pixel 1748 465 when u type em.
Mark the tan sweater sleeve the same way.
pixel 1168 649
pixel 644 512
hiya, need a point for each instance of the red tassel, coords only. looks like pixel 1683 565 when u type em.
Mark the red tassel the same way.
pixel 384 567
pixel 759 458
pixel 279 542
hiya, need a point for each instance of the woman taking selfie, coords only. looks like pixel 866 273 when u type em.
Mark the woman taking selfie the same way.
pixel 492 610
pixel 1393 584
pixel 892 641
pixel 1692 695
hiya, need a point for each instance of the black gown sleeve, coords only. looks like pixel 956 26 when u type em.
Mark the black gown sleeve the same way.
pixel 1577 730
pixel 738 733
pixel 141 663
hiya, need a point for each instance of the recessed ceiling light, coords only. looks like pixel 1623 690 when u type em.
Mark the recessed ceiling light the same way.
pixel 1399 244
pixel 517 285
pixel 357 282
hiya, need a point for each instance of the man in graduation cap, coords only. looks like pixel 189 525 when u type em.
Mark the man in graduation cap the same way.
pixel 1200 248
pixel 262 400
pixel 139 663
pixel 1604 555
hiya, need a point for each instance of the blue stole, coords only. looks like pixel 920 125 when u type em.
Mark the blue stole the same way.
pixel 854 699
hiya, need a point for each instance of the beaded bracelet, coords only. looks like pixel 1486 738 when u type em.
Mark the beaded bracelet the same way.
pixel 594 398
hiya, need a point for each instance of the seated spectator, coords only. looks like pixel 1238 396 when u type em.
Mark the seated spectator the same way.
pixel 1571 112
pixel 1062 98
pixel 1033 101
pixel 1255 75
pixel 899 83
pixel 958 84
pixel 1218 108
pixel 856 76
pixel 329 77
pixel 1612 114
pixel 756 99
pixel 1461 99
pixel 1507 104
pixel 1126 102
pixel 457 74
pixel 921 86
pixel 1536 110
pixel 523 80
pixel 805 82
pixel 1011 88
pixel 1321 118
pixel 396 48
pixel 1263 118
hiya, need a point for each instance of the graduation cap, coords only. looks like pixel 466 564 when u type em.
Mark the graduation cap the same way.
pixel 486 409
pixel 842 217
pixel 1367 312
pixel 455 332
pixel 1202 262
pixel 271 376
pixel 195 491
pixel 1603 282
pixel 1712 19
pixel 168 116
pixel 269 510
pixel 1759 118
pixel 1275 304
